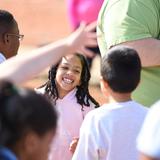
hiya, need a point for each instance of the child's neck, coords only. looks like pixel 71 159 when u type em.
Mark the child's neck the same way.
pixel 62 95
pixel 119 97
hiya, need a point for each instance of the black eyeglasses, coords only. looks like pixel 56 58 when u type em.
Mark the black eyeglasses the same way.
pixel 19 36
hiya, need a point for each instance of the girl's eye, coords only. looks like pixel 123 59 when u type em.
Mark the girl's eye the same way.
pixel 76 71
pixel 65 68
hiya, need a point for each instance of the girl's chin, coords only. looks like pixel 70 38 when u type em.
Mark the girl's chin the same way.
pixel 67 89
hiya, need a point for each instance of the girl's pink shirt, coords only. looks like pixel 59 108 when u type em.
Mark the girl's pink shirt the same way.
pixel 83 10
pixel 70 120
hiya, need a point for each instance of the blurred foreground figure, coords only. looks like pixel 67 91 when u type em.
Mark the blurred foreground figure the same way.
pixel 28 123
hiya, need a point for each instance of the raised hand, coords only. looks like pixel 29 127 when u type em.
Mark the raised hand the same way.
pixel 83 37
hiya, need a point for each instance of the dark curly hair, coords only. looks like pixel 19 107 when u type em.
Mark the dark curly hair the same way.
pixel 83 96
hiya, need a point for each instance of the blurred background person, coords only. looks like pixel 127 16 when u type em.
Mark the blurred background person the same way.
pixel 9 35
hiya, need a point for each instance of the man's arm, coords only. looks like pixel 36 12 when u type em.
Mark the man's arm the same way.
pixel 136 24
pixel 23 67
pixel 148 49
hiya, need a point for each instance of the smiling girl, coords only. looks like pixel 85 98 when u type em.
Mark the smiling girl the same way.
pixel 67 88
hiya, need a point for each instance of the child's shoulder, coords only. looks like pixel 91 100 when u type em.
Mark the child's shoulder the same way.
pixel 139 106
pixel 114 108
pixel 98 116
pixel 97 112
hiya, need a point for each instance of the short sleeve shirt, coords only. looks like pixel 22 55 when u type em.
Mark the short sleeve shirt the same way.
pixel 126 20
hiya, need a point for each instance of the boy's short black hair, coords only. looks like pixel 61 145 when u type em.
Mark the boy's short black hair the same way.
pixel 121 68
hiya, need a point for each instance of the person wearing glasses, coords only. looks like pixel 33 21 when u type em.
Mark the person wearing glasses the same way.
pixel 9 36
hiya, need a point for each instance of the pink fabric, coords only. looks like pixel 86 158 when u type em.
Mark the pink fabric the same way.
pixel 83 10
pixel 70 120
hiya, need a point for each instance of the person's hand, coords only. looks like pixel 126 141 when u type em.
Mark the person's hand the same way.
pixel 73 145
pixel 83 37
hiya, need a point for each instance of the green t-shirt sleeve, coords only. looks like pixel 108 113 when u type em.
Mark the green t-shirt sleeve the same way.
pixel 126 20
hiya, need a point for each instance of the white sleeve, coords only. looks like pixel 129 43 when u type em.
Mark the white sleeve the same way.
pixel 149 137
pixel 87 145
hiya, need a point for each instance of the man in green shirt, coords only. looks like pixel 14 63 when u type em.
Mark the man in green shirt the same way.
pixel 135 23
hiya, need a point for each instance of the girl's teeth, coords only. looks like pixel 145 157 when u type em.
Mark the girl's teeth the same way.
pixel 67 80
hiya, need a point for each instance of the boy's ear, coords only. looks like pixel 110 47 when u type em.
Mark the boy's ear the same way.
pixel 104 86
